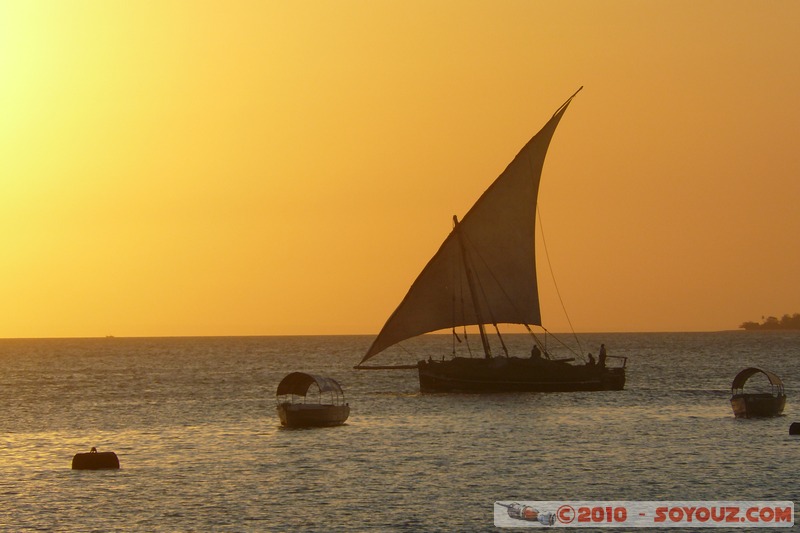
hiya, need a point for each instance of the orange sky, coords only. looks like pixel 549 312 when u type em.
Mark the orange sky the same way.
pixel 280 167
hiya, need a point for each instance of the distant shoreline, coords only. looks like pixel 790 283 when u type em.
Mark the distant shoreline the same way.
pixel 771 323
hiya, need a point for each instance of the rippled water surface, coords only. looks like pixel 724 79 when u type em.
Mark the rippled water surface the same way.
pixel 194 425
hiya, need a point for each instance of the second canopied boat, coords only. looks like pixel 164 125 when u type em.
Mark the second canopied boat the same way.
pixel 768 400
pixel 299 405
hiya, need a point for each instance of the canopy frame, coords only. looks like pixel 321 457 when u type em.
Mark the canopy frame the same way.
pixel 737 387
pixel 299 383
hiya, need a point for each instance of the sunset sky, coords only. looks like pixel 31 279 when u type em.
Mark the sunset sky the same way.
pixel 288 167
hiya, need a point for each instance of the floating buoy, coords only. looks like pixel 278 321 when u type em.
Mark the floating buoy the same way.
pixel 794 429
pixel 95 460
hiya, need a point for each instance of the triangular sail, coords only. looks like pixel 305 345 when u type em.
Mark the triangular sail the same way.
pixel 498 237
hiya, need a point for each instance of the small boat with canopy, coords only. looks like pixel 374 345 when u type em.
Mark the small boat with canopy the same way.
pixel 297 408
pixel 762 401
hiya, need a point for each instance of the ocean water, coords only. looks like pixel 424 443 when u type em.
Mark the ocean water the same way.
pixel 194 425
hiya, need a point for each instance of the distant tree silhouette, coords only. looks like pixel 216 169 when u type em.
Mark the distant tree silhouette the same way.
pixel 773 323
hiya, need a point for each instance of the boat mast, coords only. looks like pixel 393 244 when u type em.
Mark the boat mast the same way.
pixel 487 349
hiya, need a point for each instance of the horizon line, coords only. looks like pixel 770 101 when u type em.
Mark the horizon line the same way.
pixel 112 337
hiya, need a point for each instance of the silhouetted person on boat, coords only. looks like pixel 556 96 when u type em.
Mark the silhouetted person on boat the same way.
pixel 536 353
pixel 591 362
pixel 602 356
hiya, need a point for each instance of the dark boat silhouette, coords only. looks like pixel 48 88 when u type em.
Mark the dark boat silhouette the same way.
pixel 484 274
pixel 296 409
pixel 757 404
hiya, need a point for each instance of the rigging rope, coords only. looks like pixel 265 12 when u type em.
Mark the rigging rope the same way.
pixel 502 342
pixel 458 280
pixel 542 345
pixel 552 275
pixel 477 252
pixel 502 288
pixel 461 299
pixel 466 339
pixel 483 294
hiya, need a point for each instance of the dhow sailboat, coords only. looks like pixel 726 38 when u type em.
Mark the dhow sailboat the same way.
pixel 484 274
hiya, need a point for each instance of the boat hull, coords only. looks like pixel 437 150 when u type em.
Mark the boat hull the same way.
pixel 303 415
pixel 757 405
pixel 512 374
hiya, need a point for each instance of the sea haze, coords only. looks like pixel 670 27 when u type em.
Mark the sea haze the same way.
pixel 194 425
